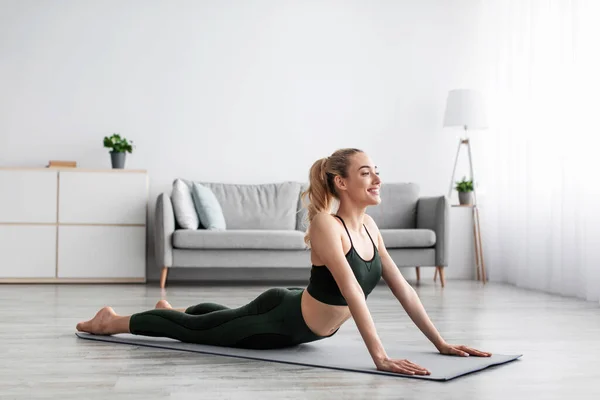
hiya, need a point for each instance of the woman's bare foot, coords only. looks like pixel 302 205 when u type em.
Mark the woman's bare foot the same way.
pixel 102 324
pixel 163 304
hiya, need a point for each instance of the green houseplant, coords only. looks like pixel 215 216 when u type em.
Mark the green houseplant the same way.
pixel 119 146
pixel 465 191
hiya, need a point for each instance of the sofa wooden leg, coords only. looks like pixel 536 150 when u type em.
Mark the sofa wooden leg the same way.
pixel 163 277
pixel 418 273
pixel 442 278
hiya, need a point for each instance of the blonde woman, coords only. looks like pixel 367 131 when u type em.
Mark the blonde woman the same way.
pixel 348 260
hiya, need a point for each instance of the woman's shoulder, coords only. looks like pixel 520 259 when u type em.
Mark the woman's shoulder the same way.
pixel 323 227
pixel 323 218
pixel 370 223
pixel 370 220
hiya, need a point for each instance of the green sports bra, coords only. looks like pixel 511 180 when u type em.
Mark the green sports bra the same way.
pixel 323 287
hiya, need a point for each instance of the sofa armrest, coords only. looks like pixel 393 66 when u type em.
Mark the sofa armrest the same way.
pixel 434 213
pixel 164 226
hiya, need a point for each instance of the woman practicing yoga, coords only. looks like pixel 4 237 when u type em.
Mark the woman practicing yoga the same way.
pixel 348 260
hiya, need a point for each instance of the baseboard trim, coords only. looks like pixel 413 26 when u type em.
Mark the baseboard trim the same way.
pixel 72 280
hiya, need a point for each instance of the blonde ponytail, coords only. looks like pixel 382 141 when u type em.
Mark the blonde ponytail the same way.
pixel 321 190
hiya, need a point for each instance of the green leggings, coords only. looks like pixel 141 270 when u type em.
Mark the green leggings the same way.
pixel 272 320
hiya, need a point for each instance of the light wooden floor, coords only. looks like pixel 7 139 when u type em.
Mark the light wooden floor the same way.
pixel 42 358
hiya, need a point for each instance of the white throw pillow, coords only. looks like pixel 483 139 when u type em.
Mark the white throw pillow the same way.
pixel 183 206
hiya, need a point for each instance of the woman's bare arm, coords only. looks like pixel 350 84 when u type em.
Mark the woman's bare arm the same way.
pixel 326 242
pixel 414 308
pixel 405 293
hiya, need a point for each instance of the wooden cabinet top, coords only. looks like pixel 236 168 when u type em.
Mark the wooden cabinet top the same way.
pixel 77 169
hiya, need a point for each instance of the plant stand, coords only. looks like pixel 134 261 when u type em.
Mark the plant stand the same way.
pixel 480 264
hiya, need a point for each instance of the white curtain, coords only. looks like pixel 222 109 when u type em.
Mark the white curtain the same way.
pixel 539 163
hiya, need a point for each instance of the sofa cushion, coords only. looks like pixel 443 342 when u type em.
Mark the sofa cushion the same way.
pixel 239 239
pixel 257 206
pixel 208 208
pixel 408 238
pixel 183 206
pixel 398 207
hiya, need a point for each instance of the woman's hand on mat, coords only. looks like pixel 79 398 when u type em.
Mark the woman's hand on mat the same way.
pixel 401 366
pixel 463 351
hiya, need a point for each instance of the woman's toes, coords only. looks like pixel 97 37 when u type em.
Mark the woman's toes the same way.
pixel 81 326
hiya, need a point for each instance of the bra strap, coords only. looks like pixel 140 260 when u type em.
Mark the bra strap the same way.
pixel 369 235
pixel 349 237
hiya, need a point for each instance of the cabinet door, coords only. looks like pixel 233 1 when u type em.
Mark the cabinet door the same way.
pixel 27 251
pixel 102 197
pixel 101 252
pixel 28 196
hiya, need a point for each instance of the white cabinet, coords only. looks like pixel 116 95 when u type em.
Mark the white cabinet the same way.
pixel 102 198
pixel 101 251
pixel 28 196
pixel 73 225
pixel 27 251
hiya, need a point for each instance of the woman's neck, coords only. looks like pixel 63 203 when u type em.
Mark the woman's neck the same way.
pixel 353 218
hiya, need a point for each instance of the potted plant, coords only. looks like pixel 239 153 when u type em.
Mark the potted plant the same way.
pixel 465 191
pixel 119 147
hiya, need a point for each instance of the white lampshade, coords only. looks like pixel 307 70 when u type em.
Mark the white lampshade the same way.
pixel 465 107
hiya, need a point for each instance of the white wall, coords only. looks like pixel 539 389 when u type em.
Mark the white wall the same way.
pixel 235 91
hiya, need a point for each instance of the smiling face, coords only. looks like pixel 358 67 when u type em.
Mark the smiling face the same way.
pixel 362 182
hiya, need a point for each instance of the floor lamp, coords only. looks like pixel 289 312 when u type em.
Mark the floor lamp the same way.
pixel 466 108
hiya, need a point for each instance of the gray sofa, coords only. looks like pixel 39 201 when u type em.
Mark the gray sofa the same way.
pixel 265 228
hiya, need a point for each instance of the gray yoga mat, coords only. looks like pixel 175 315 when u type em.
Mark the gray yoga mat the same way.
pixel 329 353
